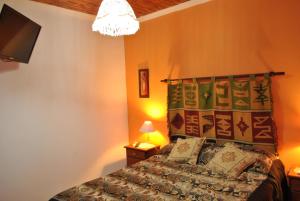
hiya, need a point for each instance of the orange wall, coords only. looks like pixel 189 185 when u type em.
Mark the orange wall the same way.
pixel 219 38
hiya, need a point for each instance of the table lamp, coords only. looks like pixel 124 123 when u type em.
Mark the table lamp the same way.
pixel 297 170
pixel 146 128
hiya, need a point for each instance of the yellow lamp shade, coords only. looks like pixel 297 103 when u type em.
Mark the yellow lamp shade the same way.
pixel 147 127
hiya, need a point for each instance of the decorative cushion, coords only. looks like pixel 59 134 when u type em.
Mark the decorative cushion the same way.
pixel 264 158
pixel 208 151
pixel 186 150
pixel 231 160
pixel 263 164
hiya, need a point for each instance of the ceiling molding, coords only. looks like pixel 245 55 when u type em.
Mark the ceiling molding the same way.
pixel 172 9
pixel 140 7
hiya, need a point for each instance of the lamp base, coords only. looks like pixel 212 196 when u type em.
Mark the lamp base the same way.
pixel 144 145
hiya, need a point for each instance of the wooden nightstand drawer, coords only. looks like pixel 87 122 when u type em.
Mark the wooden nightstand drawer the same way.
pixel 295 184
pixel 131 161
pixel 296 196
pixel 135 153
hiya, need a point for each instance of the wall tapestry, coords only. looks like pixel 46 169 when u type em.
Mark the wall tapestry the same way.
pixel 229 109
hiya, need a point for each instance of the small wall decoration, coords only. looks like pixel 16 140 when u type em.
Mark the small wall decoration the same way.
pixel 144 83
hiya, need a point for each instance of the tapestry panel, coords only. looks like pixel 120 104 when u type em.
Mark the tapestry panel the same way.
pixel 227 109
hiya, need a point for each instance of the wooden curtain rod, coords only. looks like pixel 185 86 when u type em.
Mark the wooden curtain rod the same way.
pixel 224 77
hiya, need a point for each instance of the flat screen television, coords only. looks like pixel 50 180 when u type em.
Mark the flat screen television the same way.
pixel 18 35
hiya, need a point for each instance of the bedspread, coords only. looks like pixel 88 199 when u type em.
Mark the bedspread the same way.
pixel 159 179
pixel 275 187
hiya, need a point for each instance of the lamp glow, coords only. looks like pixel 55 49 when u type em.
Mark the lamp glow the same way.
pixel 155 110
pixel 115 18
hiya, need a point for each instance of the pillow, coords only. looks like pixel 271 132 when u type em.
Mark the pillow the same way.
pixel 263 164
pixel 208 151
pixel 186 150
pixel 264 159
pixel 231 160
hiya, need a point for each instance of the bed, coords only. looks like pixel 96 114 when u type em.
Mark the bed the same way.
pixel 230 123
pixel 158 178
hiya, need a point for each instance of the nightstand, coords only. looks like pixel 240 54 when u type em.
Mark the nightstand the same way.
pixel 135 154
pixel 294 182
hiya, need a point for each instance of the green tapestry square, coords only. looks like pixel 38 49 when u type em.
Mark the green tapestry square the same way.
pixel 190 92
pixel 206 95
pixel 175 96
pixel 223 100
pixel 240 91
pixel 261 98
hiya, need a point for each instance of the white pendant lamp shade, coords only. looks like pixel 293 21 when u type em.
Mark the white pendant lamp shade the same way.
pixel 115 18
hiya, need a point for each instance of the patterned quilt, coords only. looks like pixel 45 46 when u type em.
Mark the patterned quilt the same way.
pixel 159 179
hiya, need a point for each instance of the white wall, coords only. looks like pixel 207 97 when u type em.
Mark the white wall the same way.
pixel 63 117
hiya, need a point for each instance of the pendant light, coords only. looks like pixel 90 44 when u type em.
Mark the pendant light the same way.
pixel 115 18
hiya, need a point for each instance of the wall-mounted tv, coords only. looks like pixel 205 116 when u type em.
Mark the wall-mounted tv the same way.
pixel 18 35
